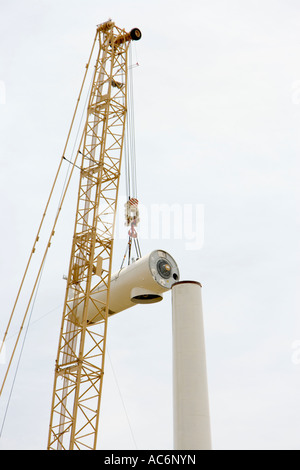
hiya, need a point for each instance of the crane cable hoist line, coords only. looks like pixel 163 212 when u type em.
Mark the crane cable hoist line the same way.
pixel 79 367
pixel 132 217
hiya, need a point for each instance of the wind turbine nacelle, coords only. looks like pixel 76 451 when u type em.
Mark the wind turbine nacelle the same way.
pixel 142 282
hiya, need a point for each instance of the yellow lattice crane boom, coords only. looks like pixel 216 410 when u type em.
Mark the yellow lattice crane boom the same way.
pixel 79 365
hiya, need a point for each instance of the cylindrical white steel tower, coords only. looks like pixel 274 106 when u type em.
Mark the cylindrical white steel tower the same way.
pixel 190 390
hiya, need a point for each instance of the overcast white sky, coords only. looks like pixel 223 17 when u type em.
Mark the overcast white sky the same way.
pixel 217 112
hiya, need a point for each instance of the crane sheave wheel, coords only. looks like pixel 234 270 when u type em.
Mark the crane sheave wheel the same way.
pixel 135 34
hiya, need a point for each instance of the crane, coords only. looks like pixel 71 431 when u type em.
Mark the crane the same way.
pixel 81 352
pixel 79 366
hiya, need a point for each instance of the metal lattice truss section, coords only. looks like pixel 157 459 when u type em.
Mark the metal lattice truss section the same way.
pixel 80 359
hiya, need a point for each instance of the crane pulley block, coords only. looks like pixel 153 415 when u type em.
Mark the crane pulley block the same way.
pixel 132 214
